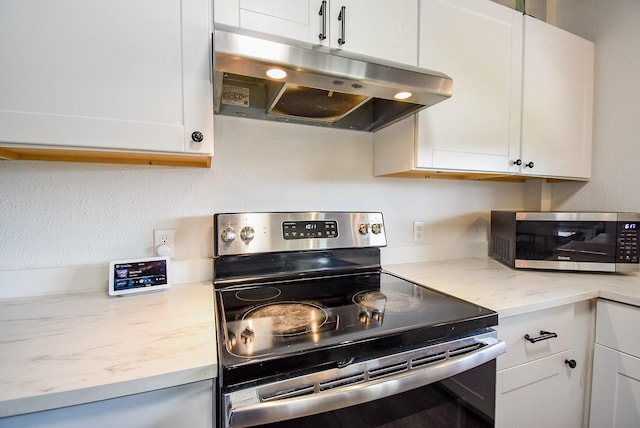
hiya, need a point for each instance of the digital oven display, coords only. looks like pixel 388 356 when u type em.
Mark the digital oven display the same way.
pixel 310 229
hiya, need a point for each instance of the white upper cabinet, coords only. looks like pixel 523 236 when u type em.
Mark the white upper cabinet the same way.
pixel 479 45
pixel 106 74
pixel 558 102
pixel 377 28
pixel 522 98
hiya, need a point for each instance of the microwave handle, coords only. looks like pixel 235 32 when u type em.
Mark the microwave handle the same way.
pixel 274 411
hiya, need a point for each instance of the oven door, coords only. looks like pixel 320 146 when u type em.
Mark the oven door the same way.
pixel 452 382
pixel 466 400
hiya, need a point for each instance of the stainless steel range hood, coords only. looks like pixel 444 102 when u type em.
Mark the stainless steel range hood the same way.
pixel 321 87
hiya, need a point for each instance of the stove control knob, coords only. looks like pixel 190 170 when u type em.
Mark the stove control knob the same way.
pixel 247 234
pixel 247 336
pixel 376 228
pixel 228 235
pixel 363 228
pixel 364 318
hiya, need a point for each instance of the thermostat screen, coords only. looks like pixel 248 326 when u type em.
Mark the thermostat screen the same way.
pixel 139 274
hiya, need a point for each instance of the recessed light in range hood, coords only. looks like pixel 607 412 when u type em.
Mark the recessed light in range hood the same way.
pixel 317 86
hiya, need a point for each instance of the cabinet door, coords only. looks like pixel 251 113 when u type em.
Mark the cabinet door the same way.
pixel 191 405
pixel 377 28
pixel 615 396
pixel 479 45
pixel 535 394
pixel 108 74
pixel 292 19
pixel 558 101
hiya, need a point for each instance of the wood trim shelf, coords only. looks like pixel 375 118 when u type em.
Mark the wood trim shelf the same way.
pixel 470 175
pixel 98 156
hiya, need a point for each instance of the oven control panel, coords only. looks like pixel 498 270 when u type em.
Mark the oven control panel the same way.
pixel 247 233
pixel 312 229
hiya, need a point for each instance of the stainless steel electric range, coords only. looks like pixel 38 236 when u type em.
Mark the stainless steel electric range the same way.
pixel 312 330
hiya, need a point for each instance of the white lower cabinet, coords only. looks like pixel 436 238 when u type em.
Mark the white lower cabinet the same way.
pixel 615 400
pixel 536 385
pixel 189 405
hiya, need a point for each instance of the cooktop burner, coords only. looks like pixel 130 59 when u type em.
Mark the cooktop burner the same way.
pixel 289 318
pixel 260 294
pixel 388 301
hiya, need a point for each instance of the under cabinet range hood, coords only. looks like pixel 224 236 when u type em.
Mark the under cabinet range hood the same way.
pixel 316 86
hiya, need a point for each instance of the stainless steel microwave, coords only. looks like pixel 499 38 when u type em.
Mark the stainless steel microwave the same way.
pixel 582 241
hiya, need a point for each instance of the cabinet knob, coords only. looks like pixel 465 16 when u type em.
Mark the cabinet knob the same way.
pixel 197 136
pixel 517 162
pixel 529 165
pixel 571 363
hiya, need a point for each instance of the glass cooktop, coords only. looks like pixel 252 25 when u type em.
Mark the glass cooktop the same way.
pixel 281 318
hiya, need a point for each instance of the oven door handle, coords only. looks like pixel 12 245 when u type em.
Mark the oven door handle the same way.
pixel 278 410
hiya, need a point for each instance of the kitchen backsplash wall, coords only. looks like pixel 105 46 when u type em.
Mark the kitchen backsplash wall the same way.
pixel 64 214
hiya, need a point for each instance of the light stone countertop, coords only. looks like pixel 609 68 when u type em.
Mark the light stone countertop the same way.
pixel 69 349
pixel 509 292
pixel 62 350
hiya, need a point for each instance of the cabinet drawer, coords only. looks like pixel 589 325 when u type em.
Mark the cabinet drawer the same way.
pixel 533 372
pixel 617 326
pixel 519 350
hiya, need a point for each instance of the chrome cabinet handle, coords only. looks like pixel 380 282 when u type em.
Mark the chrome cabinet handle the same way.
pixel 323 14
pixel 342 18
pixel 544 335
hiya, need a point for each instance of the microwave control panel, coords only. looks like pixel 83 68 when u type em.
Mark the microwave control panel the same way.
pixel 627 251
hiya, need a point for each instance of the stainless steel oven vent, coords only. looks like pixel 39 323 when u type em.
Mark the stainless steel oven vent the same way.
pixel 341 381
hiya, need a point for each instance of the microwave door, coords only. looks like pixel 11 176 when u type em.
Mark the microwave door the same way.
pixel 567 241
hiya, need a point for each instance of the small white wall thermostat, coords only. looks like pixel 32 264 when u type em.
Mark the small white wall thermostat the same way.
pixel 138 275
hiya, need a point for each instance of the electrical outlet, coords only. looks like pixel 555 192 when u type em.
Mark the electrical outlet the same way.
pixel 418 231
pixel 162 237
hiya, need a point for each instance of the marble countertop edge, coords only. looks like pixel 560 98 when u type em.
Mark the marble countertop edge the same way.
pixel 547 304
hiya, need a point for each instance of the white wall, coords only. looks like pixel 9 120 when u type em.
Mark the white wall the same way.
pixel 66 214
pixel 613 26
pixel 62 214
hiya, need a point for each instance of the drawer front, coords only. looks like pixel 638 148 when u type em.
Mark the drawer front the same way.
pixel 520 350
pixel 617 326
